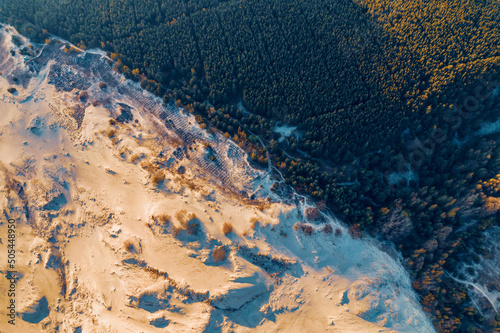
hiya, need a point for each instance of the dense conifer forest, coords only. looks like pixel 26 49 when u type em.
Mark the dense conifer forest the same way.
pixel 389 97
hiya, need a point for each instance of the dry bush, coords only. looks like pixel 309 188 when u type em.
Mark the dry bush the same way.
pixel 262 206
pixel 192 227
pixel 181 170
pixel 115 140
pixel 163 219
pixel 338 232
pixel 306 229
pixel 219 254
pixel 147 166
pixel 129 246
pixel 355 231
pixel 297 226
pixel 227 228
pixel 254 222
pixel 192 186
pixel 123 152
pixel 176 231
pixel 112 122
pixel 84 96
pixel 157 177
pixel 327 229
pixel 313 214
pixel 188 222
pixel 111 133
pixel 181 216
pixel 134 157
pixel 102 85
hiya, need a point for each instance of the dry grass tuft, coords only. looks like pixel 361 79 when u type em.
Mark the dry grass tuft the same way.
pixel 327 229
pixel 163 219
pixel 219 254
pixel 134 157
pixel 192 227
pixel 111 133
pixel 227 228
pixel 129 246
pixel 181 216
pixel 84 96
pixel 306 229
pixel 154 272
pixel 188 222
pixel 254 222
pixel 157 177
pixel 176 231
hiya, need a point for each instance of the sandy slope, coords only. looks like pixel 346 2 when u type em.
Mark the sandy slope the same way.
pixel 111 251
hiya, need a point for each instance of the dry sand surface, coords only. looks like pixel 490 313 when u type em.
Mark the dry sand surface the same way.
pixel 120 224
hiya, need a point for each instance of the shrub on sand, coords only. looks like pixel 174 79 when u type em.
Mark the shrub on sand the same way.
pixel 227 228
pixel 219 254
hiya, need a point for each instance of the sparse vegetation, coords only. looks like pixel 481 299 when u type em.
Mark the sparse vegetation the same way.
pixel 181 216
pixel 176 230
pixel 254 222
pixel 219 254
pixel 134 157
pixel 111 133
pixel 129 246
pixel 163 219
pixel 157 177
pixel 154 272
pixel 305 228
pixel 188 222
pixel 181 170
pixel 227 228
pixel 327 229
pixel 192 227
pixel 313 214
pixel 84 95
